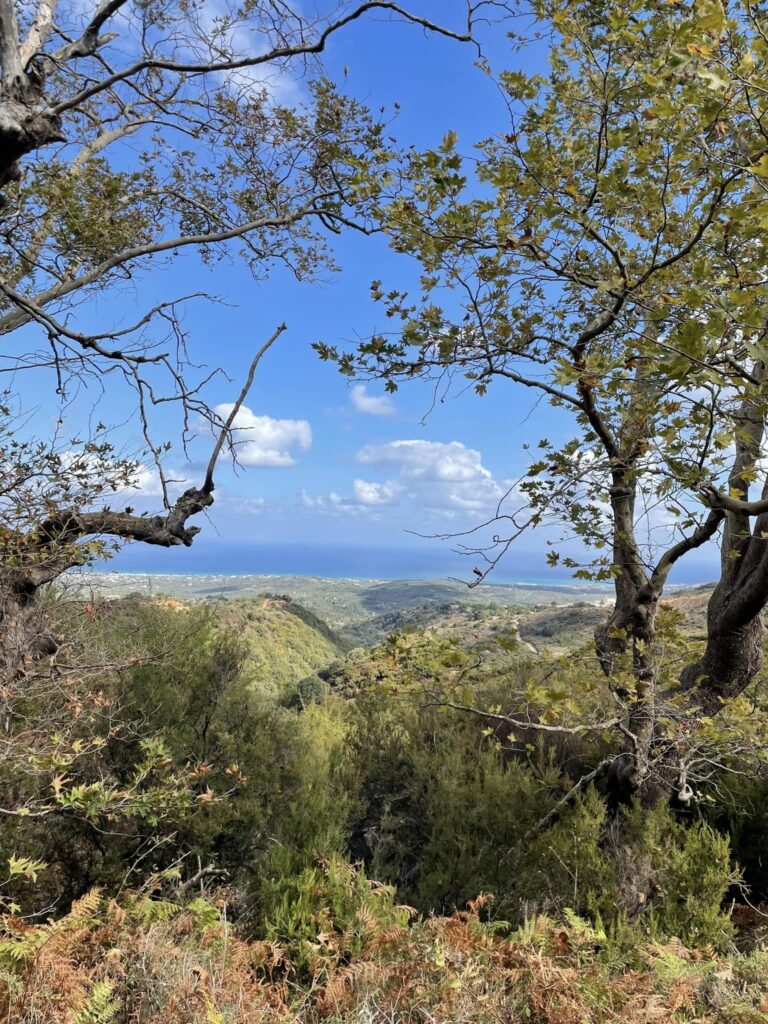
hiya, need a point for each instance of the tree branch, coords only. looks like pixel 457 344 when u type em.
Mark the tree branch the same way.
pixel 715 499
pixel 227 428
pixel 19 317
pixel 55 539
pixel 38 32
pixel 704 532
pixel 276 54
pixel 562 730
pixel 88 42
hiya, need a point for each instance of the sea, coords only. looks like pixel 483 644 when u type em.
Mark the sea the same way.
pixel 347 562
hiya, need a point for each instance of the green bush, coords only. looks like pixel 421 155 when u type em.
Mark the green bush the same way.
pixel 687 869
pixel 327 908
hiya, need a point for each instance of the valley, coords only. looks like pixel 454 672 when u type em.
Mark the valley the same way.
pixel 341 614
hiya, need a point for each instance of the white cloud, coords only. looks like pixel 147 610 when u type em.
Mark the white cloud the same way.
pixel 307 501
pixel 428 460
pixel 368 493
pixel 237 37
pixel 263 441
pixel 240 505
pixel 439 476
pixel 119 479
pixel 146 481
pixel 337 506
pixel 446 479
pixel 373 405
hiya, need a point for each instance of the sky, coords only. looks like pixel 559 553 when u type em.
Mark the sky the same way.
pixel 335 473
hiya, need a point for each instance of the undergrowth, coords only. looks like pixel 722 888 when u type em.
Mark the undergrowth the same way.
pixel 147 960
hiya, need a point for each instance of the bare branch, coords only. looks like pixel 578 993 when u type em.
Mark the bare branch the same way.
pixel 561 730
pixel 580 784
pixel 89 41
pixel 704 532
pixel 277 54
pixel 226 430
pixel 55 540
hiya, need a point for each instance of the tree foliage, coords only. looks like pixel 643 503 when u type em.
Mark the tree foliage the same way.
pixel 606 250
pixel 132 134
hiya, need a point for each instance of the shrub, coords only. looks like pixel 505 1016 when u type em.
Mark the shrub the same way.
pixel 328 912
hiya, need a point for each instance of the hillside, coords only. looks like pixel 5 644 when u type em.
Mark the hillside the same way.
pixel 469 623
pixel 553 629
pixel 361 613
pixel 345 604
pixel 286 641
pixel 559 630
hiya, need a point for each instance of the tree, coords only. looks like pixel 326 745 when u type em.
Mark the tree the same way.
pixel 128 135
pixel 611 259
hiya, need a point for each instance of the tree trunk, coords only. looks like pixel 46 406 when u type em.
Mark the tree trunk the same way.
pixel 733 654
pixel 631 631
pixel 23 637
pixel 26 124
pixel 634 772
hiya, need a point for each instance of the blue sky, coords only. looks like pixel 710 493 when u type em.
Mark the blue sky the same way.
pixel 331 464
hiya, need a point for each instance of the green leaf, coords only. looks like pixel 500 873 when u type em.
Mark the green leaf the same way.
pixel 710 17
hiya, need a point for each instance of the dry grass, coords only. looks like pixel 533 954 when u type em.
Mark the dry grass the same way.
pixel 148 962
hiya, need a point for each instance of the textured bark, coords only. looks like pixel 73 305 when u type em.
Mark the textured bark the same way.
pixel 733 653
pixel 25 122
pixel 732 657
pixel 25 126
pixel 24 638
pixel 631 630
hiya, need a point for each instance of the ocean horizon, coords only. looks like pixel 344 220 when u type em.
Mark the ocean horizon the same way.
pixel 342 562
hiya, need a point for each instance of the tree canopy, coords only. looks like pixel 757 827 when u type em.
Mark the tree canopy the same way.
pixel 129 134
pixel 606 250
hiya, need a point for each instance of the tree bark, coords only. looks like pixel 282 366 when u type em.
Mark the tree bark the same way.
pixel 26 124
pixel 733 653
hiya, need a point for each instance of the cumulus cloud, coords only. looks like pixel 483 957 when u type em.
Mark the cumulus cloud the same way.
pixel 146 481
pixel 373 405
pixel 368 493
pixel 146 488
pixel 442 476
pixel 123 480
pixel 337 506
pixel 446 479
pixel 263 441
pixel 427 460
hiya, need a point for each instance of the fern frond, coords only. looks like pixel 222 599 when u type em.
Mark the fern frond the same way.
pixel 101 1007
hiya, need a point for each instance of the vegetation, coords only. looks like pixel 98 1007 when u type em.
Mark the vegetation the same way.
pixel 604 247
pixel 186 966
pixel 234 810
pixel 326 854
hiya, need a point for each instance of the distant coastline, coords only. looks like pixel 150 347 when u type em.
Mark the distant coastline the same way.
pixel 334 562
pixel 527 584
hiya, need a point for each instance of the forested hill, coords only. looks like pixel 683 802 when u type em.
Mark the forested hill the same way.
pixel 337 615
pixel 286 642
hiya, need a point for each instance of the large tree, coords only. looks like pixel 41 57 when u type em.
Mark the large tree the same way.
pixel 131 132
pixel 606 250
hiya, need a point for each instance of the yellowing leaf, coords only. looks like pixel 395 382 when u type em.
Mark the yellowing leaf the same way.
pixel 714 79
